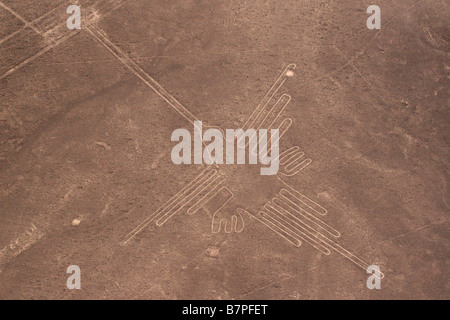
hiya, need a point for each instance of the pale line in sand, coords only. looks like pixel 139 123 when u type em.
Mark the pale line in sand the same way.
pixel 199 190
pixel 18 16
pixel 292 161
pixel 217 221
pixel 56 43
pixel 141 74
pixel 35 56
pixel 270 94
pixel 206 181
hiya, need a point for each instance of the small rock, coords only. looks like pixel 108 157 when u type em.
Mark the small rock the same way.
pixel 104 145
pixel 76 222
pixel 213 252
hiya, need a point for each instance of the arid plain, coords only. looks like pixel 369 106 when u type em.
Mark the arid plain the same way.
pixel 85 149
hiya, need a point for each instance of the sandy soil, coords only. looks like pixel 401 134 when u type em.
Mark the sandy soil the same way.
pixel 85 149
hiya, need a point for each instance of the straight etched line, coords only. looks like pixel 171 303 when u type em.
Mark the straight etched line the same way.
pixel 336 247
pixel 37 55
pixel 289 154
pixel 298 164
pixel 141 74
pixel 207 197
pixel 196 192
pixel 189 194
pixel 292 211
pixel 299 230
pixel 270 94
pixel 22 28
pixel 55 43
pixel 176 199
pixel 285 193
pixel 18 16
pixel 287 235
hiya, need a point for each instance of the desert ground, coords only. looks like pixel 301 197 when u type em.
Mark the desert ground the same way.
pixel 86 176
